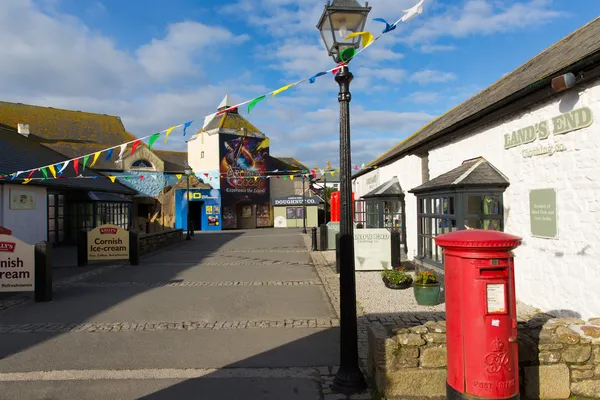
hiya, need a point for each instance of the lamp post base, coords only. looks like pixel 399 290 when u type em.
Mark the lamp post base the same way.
pixel 349 381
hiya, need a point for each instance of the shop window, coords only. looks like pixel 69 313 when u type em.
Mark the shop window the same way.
pixel 440 213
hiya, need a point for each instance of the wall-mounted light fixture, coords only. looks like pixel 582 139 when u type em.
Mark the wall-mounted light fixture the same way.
pixel 563 82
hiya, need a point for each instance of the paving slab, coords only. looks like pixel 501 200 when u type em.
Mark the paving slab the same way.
pixel 165 389
pixel 231 273
pixel 247 348
pixel 198 257
pixel 133 304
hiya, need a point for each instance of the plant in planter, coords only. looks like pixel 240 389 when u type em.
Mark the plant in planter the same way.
pixel 396 278
pixel 426 289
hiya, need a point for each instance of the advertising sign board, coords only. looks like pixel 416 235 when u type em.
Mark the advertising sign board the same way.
pixel 372 249
pixel 17 265
pixel 108 242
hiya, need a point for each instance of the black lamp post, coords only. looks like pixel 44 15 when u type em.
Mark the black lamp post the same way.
pixel 339 19
pixel 188 172
pixel 303 204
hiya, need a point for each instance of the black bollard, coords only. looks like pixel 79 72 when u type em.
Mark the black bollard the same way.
pixel 313 232
pixel 337 252
pixel 43 272
pixel 324 243
pixel 82 251
pixel 134 248
pixel 396 257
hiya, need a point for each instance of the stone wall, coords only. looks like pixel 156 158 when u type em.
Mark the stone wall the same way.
pixel 558 358
pixel 154 241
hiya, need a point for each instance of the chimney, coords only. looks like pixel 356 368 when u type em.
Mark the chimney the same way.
pixel 23 129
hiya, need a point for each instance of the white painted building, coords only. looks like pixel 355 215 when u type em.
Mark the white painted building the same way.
pixel 520 156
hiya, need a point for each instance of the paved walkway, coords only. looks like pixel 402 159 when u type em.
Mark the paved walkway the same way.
pixel 230 315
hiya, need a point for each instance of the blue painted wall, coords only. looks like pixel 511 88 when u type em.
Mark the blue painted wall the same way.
pixel 208 197
pixel 150 186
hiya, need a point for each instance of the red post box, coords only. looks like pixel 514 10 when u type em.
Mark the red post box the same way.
pixel 481 315
pixel 335 207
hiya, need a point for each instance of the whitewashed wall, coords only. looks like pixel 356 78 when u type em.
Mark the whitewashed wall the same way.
pixel 408 171
pixel 550 274
pixel 209 144
pixel 26 225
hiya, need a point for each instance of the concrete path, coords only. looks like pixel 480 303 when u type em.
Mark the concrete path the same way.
pixel 229 315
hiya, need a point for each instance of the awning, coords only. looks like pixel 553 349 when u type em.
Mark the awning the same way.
pixel 107 197
pixel 390 188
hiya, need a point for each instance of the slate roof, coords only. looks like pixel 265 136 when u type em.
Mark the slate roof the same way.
pixel 70 133
pixel 175 161
pixel 231 122
pixel 471 173
pixel 390 188
pixel 295 164
pixel 19 153
pixel 576 47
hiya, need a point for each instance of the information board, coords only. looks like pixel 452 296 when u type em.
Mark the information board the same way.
pixel 17 265
pixel 108 242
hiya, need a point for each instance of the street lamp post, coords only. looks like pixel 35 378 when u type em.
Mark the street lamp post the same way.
pixel 188 172
pixel 338 20
pixel 303 204
pixel 325 195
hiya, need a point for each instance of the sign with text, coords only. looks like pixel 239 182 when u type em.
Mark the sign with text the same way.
pixel 108 242
pixel 543 213
pixel 17 265
pixel 296 201
pixel 372 249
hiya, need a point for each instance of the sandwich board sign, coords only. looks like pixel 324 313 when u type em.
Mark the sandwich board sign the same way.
pixel 17 265
pixel 108 242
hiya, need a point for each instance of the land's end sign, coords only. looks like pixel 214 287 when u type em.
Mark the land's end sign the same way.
pixel 17 265
pixel 108 242
pixel 372 249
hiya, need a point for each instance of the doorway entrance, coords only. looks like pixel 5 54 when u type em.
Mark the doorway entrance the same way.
pixel 196 215
pixel 246 216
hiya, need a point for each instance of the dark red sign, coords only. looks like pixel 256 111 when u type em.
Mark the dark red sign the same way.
pixel 108 231
pixel 7 247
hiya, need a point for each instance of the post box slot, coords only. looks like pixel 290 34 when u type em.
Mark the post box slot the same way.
pixel 493 272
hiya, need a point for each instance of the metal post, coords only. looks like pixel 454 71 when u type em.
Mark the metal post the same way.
pixel 303 205
pixel 188 236
pixel 325 194
pixel 134 248
pixel 313 231
pixel 349 378
pixel 396 254
pixel 82 248
pixel 324 243
pixel 43 272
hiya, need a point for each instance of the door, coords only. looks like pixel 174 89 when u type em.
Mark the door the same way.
pixel 196 214
pixel 57 227
pixel 246 216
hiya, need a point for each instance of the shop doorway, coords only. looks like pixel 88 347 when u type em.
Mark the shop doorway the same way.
pixel 196 214
pixel 246 216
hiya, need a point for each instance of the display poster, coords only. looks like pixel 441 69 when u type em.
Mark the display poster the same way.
pixel 108 242
pixel 229 218
pixel 22 200
pixel 243 167
pixel 246 211
pixel 372 249
pixel 217 210
pixel 299 213
pixel 290 212
pixel 213 220
pixel 263 216
pixel 17 265
pixel 209 210
pixel 542 213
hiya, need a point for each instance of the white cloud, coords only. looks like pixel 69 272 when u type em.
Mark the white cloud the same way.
pixel 424 97
pixel 430 76
pixel 432 48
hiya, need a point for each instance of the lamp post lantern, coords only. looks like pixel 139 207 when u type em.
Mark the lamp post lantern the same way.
pixel 188 171
pixel 339 19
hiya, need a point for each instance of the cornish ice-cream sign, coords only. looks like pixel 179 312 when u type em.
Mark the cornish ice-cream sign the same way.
pixel 108 242
pixel 17 265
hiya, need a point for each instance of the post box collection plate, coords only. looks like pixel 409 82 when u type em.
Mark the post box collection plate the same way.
pixel 496 298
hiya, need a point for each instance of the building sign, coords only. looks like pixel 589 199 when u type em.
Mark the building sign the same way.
pixel 372 249
pixel 108 242
pixel 296 201
pixel 22 200
pixel 543 213
pixel 243 169
pixel 17 265
pixel 559 125
pixel 373 181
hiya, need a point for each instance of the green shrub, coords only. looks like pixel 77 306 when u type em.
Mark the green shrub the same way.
pixel 425 278
pixel 396 276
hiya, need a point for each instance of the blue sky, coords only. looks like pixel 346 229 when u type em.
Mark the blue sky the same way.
pixel 158 63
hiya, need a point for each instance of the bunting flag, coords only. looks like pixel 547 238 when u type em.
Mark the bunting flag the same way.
pixel 152 140
pixel 108 155
pixel 186 125
pixel 314 77
pixel 178 176
pixel 142 177
pixel 26 181
pixel 283 89
pixel 64 167
pixel 367 40
pixel 112 178
pixel 135 146
pixel 123 147
pixel 168 132
pixel 332 173
pixel 255 102
pixel 96 155
pixel 76 165
pixel 44 173
pixel 388 27
pixel 292 177
pixel 31 173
